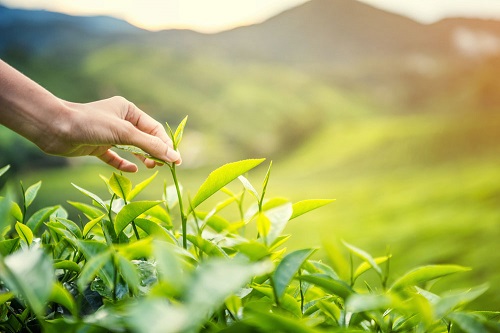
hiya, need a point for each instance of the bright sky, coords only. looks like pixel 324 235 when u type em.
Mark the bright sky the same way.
pixel 217 15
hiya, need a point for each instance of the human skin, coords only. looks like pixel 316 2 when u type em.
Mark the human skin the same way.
pixel 63 128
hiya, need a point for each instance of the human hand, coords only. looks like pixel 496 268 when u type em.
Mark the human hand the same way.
pixel 92 129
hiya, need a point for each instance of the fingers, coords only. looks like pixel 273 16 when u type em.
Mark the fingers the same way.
pixel 151 136
pixel 113 159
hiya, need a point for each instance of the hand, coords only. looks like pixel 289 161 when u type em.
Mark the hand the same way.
pixel 71 129
pixel 91 129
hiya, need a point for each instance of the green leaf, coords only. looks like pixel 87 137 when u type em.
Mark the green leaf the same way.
pixel 129 274
pixel 158 316
pixel 31 193
pixel 288 268
pixel 29 274
pixel 8 246
pixel 468 323
pixel 132 211
pixel 357 303
pixel 325 282
pixel 457 299
pixel 248 186
pixel 153 229
pixel 4 170
pixel 16 212
pixel 179 132
pixel 136 250
pixel 94 267
pixel 279 217
pixel 217 279
pixel 24 232
pixel 138 151
pixel 92 196
pixel 172 267
pixel 266 181
pixel 120 185
pixel 90 225
pixel 61 296
pixel 304 206
pixel 40 216
pixel 71 226
pixel 90 211
pixel 221 177
pixel 170 195
pixel 272 322
pixel 140 187
pixel 365 266
pixel 5 297
pixel 263 225
pixel 206 246
pixel 67 265
pixel 288 302
pixel 425 274
pixel 364 256
pixel 91 250
pixel 253 250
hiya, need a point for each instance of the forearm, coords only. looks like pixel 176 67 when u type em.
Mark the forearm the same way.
pixel 27 108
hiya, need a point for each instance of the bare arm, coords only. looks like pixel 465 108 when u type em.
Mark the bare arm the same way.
pixel 63 128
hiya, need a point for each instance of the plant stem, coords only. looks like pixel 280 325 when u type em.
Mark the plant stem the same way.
pixel 181 206
pixel 135 230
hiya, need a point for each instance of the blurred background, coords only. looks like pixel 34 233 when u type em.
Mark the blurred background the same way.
pixel 390 107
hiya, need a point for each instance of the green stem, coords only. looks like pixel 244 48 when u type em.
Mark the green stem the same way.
pixel 181 206
pixel 136 232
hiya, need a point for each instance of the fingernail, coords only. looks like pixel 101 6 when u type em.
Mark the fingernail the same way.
pixel 173 155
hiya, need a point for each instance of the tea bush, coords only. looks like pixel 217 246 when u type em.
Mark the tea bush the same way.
pixel 169 265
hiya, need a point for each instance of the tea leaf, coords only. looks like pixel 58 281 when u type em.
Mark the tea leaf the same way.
pixel 8 246
pixel 31 193
pixel 71 226
pixel 90 225
pixel 454 300
pixel 364 255
pixel 221 177
pixel 365 266
pixel 270 322
pixel 263 225
pixel 61 296
pixel 92 196
pixel 248 186
pixel 304 206
pixel 216 279
pixel 325 282
pixel 132 211
pixel 153 229
pixel 129 274
pixel 288 268
pixel 5 297
pixel 179 132
pixel 287 302
pixel 67 265
pixel 279 217
pixel 141 186
pixel 40 216
pixel 120 185
pixel 94 267
pixel 90 211
pixel 29 274
pixel 138 151
pixel 362 303
pixel 468 323
pixel 426 273
pixel 16 212
pixel 24 232
pixel 253 250
pixel 206 246
pixel 266 181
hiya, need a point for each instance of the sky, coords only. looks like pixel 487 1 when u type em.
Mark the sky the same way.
pixel 217 15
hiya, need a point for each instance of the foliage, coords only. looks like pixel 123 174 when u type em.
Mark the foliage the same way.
pixel 171 265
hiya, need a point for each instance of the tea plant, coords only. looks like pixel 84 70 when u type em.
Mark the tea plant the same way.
pixel 171 265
